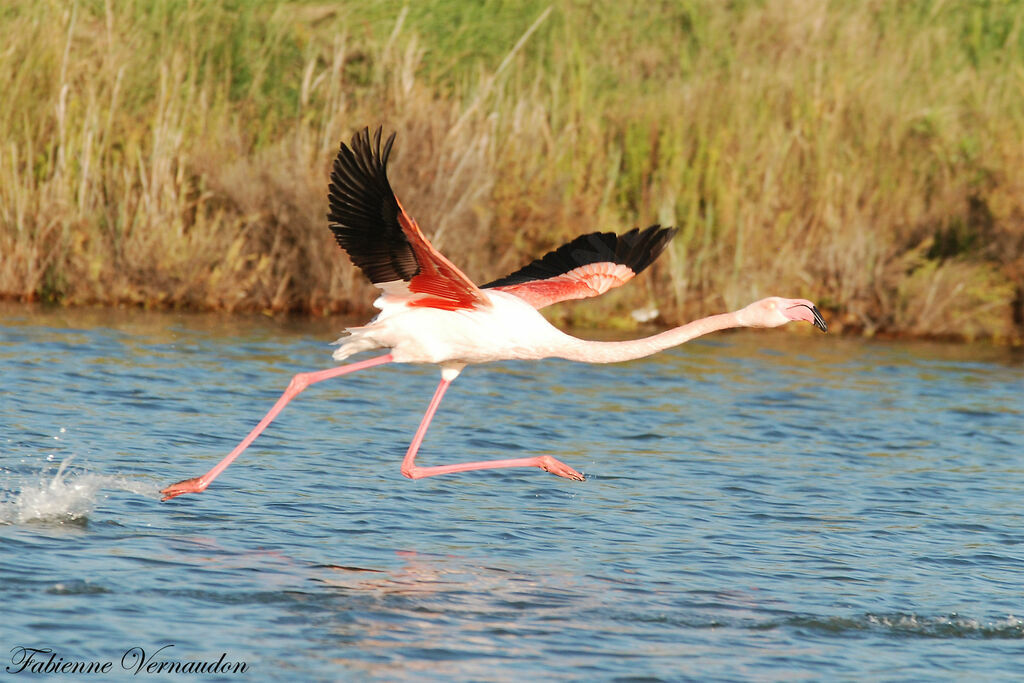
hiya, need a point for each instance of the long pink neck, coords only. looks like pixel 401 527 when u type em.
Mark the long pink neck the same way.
pixel 613 352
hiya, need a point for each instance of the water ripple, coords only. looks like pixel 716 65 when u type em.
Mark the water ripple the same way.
pixel 761 506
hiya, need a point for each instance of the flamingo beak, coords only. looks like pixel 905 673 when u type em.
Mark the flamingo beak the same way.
pixel 819 321
pixel 808 312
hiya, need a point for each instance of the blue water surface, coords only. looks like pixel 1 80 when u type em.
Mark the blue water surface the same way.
pixel 772 505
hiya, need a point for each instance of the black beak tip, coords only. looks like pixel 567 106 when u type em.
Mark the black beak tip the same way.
pixel 819 321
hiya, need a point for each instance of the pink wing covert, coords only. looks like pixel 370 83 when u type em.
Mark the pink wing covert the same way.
pixel 588 266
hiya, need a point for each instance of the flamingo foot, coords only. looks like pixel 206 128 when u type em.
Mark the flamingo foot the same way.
pixel 194 485
pixel 558 468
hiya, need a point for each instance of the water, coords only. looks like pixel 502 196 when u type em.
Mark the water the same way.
pixel 762 506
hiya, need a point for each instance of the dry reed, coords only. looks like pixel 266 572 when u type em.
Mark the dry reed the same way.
pixel 865 155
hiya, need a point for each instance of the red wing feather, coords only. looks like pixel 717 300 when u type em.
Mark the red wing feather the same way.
pixel 382 239
pixel 588 266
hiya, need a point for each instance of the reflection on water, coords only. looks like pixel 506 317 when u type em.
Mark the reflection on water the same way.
pixel 757 505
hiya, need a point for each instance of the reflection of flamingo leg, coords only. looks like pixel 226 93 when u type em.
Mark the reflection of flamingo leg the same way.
pixel 414 471
pixel 295 387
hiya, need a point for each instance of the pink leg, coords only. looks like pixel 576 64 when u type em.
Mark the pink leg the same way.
pixel 298 383
pixel 414 471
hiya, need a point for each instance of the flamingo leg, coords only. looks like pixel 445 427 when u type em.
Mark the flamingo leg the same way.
pixel 413 471
pixel 295 387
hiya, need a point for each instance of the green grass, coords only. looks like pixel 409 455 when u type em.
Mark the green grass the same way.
pixel 864 155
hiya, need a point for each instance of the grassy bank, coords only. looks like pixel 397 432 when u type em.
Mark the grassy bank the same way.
pixel 865 155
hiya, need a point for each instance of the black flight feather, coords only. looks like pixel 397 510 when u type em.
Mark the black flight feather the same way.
pixel 635 249
pixel 364 212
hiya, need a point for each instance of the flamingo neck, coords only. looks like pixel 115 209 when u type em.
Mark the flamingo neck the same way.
pixel 613 352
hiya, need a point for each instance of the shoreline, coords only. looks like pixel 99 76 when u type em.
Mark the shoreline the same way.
pixel 334 321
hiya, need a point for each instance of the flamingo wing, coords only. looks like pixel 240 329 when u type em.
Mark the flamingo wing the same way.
pixel 588 266
pixel 382 239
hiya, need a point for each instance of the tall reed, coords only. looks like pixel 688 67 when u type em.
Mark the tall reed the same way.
pixel 865 155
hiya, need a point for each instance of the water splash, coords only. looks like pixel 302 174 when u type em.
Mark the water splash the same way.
pixel 66 497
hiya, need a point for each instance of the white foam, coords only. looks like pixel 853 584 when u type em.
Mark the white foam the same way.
pixel 913 622
pixel 67 496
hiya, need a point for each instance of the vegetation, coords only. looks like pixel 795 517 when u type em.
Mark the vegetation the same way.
pixel 864 155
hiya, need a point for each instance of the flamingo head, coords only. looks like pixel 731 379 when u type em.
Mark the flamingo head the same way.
pixel 775 311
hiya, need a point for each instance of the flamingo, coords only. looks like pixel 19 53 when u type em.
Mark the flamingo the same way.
pixel 430 312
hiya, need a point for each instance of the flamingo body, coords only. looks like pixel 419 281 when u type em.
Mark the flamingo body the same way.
pixel 431 312
pixel 506 328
